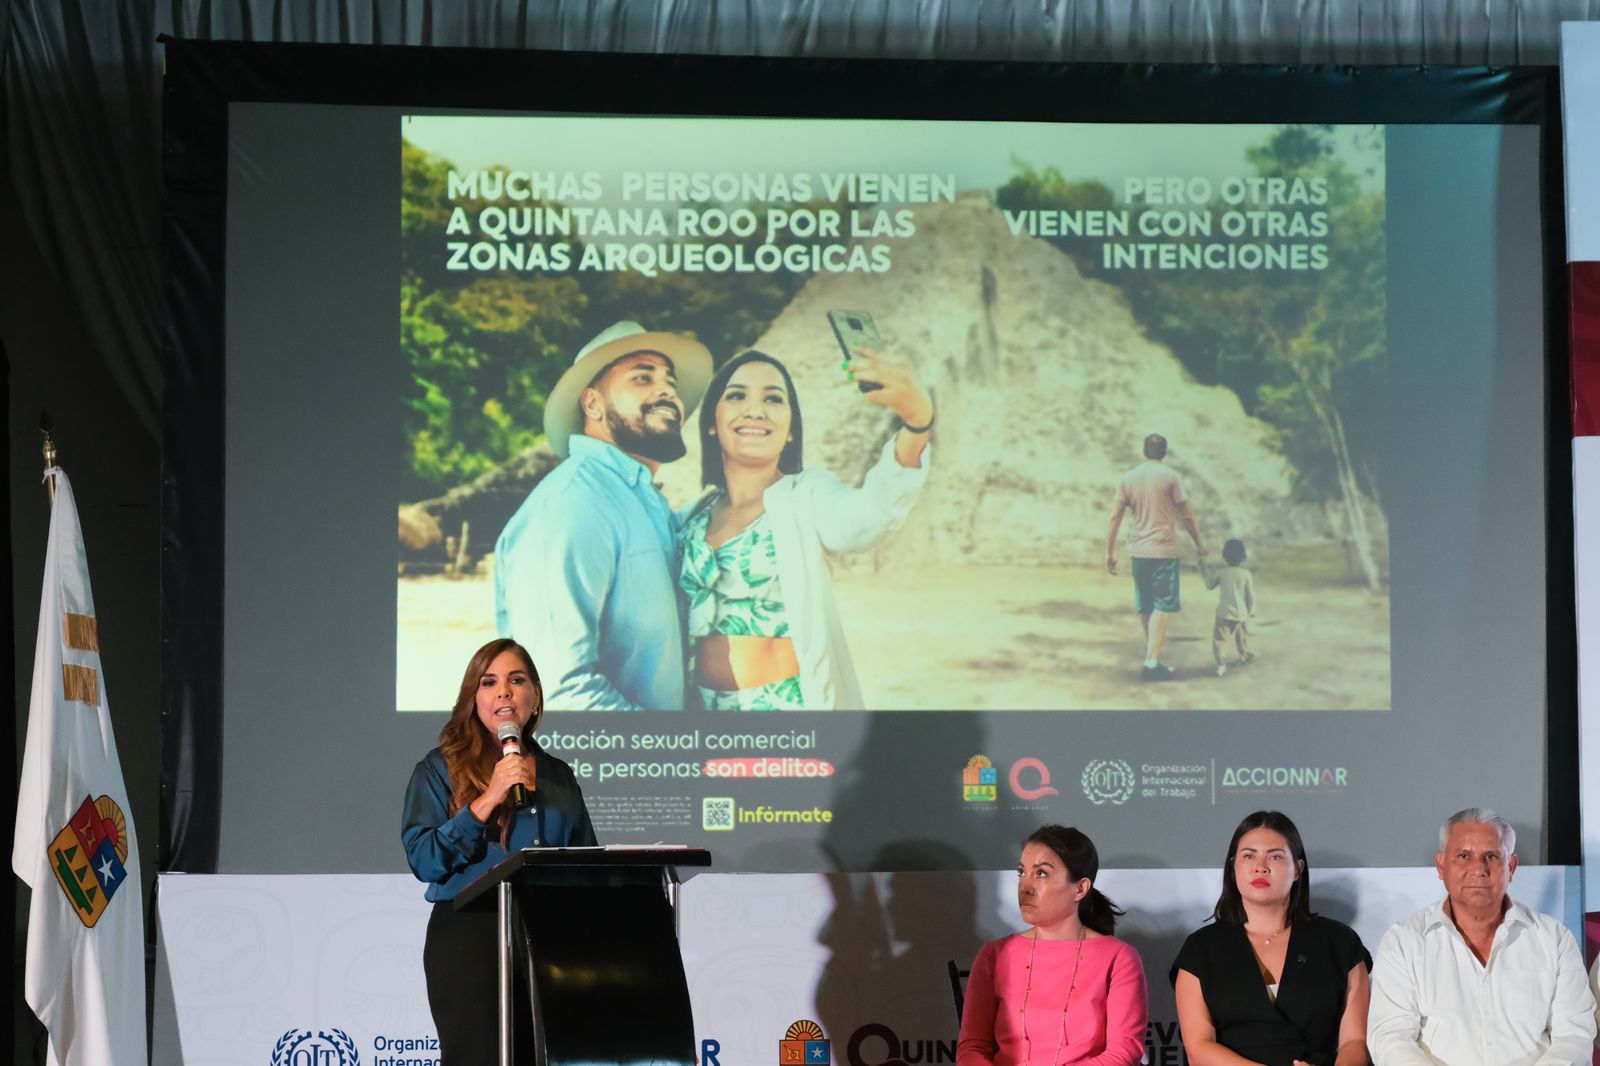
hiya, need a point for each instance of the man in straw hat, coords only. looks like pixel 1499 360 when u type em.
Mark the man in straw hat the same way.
pixel 583 572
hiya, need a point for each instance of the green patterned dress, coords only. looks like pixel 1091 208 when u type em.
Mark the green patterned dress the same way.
pixel 735 590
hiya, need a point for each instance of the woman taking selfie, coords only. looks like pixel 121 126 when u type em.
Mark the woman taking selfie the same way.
pixel 1267 981
pixel 763 627
pixel 1066 990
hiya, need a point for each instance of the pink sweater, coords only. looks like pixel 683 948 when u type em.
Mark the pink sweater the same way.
pixel 1105 1021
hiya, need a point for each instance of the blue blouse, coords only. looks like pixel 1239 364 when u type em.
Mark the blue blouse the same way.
pixel 449 852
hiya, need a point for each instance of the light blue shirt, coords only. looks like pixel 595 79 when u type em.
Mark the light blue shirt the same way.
pixel 583 578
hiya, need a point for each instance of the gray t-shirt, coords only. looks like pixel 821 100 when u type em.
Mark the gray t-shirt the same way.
pixel 1237 599
pixel 1154 498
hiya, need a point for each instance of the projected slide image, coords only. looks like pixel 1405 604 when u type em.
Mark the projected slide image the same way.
pixel 1158 340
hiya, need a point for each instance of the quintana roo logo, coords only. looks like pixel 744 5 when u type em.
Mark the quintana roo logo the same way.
pixel 980 781
pixel 804 1044
pixel 88 855
pixel 1108 781
pixel 315 1047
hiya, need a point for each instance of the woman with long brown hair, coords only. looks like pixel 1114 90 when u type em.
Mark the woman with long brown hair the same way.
pixel 461 819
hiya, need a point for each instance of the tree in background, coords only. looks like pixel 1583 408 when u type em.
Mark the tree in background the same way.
pixel 481 348
pixel 1306 351
pixel 479 359
pixel 1336 380
pixel 1050 190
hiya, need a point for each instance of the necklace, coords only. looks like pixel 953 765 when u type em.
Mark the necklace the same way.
pixel 1266 940
pixel 1061 1039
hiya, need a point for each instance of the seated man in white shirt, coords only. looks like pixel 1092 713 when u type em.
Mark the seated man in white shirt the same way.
pixel 1477 980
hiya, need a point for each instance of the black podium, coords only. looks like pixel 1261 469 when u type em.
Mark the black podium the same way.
pixel 592 935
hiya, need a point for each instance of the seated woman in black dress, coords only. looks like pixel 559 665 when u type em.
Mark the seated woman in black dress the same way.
pixel 461 819
pixel 1268 982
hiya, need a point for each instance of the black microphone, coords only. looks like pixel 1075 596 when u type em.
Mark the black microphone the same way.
pixel 511 744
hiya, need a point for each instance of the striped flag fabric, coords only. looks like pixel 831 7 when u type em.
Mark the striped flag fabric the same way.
pixel 75 845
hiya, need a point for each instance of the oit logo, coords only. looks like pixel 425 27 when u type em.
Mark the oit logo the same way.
pixel 315 1047
pixel 1108 781
pixel 804 1045
pixel 980 782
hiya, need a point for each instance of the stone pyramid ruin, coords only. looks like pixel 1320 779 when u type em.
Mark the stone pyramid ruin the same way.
pixel 1045 386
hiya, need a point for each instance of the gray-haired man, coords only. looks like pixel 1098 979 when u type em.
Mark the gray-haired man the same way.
pixel 1477 979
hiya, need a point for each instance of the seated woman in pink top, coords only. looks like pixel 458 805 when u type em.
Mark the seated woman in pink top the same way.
pixel 1065 991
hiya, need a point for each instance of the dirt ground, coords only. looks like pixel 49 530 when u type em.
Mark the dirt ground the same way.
pixel 1069 639
pixel 1010 638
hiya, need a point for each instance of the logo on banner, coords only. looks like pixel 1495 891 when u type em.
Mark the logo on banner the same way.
pixel 1274 778
pixel 980 782
pixel 897 1050
pixel 315 1047
pixel 1041 788
pixel 1108 781
pixel 803 1045
pixel 88 855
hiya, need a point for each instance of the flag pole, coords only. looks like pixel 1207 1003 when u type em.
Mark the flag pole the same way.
pixel 49 449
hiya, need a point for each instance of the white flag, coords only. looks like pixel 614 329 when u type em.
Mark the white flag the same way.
pixel 75 845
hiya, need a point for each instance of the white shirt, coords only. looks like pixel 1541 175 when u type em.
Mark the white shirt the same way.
pixel 1433 1002
pixel 812 514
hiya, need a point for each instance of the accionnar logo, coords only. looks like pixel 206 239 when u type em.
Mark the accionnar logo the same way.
pixel 1271 778
pixel 315 1047
pixel 1108 781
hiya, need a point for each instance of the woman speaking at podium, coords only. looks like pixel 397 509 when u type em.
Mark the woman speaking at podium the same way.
pixel 472 801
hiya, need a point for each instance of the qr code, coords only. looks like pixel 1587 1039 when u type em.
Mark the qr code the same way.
pixel 716 812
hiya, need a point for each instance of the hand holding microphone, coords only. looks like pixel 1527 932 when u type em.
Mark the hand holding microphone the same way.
pixel 511 744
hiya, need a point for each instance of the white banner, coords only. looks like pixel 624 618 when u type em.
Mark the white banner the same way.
pixel 317 970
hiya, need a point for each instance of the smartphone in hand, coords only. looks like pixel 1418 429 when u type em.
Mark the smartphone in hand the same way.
pixel 855 329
